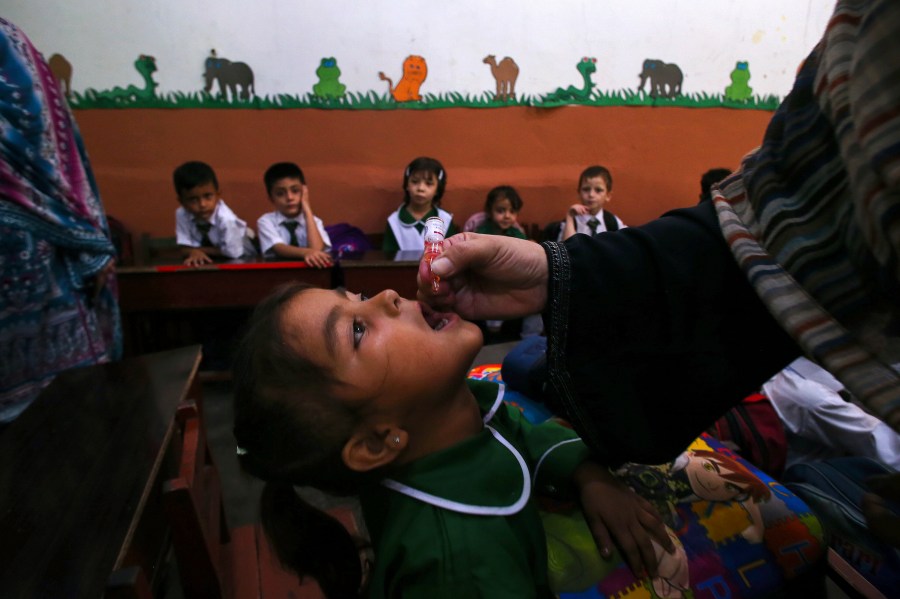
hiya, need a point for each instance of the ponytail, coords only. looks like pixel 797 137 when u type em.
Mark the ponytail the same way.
pixel 289 433
pixel 310 542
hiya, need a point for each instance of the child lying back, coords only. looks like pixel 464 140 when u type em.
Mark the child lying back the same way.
pixel 369 397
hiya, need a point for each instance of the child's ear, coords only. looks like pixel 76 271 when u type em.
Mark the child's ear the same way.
pixel 371 447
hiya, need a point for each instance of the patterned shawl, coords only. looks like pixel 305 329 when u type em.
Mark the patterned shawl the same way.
pixel 813 216
pixel 53 232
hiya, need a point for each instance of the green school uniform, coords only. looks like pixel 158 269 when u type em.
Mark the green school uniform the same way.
pixel 462 522
pixel 489 227
pixel 390 244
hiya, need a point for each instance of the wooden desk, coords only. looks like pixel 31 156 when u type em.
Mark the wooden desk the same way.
pixel 222 285
pixel 376 271
pixel 243 284
pixel 170 305
pixel 80 476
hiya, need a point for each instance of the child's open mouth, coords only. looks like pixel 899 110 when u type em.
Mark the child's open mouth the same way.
pixel 437 320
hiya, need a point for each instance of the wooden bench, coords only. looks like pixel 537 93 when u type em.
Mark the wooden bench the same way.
pixel 849 579
pixel 213 560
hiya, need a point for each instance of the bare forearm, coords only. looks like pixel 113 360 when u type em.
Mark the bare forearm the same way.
pixel 283 250
pixel 568 227
pixel 313 236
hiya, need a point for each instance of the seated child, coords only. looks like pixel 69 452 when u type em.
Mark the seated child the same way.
pixel 424 181
pixel 589 216
pixel 363 396
pixel 292 230
pixel 204 225
pixel 501 211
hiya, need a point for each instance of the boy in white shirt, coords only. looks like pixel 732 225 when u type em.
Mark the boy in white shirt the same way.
pixel 589 216
pixel 204 226
pixel 292 230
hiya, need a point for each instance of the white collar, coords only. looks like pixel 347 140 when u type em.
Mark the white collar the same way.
pixel 464 508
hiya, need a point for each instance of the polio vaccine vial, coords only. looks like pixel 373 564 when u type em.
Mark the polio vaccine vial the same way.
pixel 434 241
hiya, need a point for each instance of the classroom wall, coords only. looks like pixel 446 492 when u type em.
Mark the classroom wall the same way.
pixel 354 157
pixel 354 160
pixel 283 41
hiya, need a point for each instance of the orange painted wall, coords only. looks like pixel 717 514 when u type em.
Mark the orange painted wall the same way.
pixel 354 160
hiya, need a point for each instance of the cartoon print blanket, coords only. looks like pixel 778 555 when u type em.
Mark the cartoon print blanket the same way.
pixel 739 533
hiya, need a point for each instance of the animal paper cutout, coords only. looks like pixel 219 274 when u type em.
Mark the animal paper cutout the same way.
pixel 328 86
pixel 146 66
pixel 739 90
pixel 415 70
pixel 236 86
pixel 665 78
pixel 230 76
pixel 587 66
pixel 505 75
pixel 62 72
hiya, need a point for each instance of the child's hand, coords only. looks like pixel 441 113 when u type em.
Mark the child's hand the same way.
pixel 197 257
pixel 318 259
pixel 304 200
pixel 616 513
pixel 577 209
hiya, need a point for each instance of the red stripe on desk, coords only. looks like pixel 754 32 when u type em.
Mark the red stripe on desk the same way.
pixel 248 266
pixel 263 265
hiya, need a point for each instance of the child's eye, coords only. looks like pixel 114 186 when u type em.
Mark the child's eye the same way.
pixel 359 329
pixel 362 297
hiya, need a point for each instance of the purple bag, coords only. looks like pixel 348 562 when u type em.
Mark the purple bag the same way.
pixel 347 239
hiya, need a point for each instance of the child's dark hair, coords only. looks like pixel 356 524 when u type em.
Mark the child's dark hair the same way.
pixel 502 192
pixel 596 171
pixel 281 170
pixel 191 174
pixel 289 433
pixel 713 175
pixel 427 165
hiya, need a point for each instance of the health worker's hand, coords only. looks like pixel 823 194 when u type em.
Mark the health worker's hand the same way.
pixel 486 277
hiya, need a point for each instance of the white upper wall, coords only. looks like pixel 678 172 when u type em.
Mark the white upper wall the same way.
pixel 283 41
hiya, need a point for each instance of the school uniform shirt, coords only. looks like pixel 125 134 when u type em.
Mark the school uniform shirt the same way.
pixel 820 424
pixel 227 233
pixel 462 522
pixel 271 231
pixel 404 232
pixel 489 227
pixel 582 226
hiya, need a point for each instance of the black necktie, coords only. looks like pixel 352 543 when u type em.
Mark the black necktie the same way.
pixel 291 226
pixel 593 224
pixel 204 234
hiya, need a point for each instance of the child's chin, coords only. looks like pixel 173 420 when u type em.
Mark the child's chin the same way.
pixel 474 329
